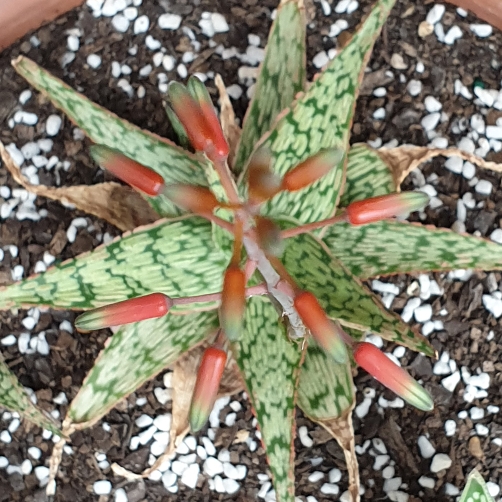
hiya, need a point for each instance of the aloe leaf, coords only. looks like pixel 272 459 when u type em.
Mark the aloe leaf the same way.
pixel 391 247
pixel 475 489
pixel 343 296
pixel 321 118
pixel 367 175
pixel 14 398
pixel 325 389
pixel 103 127
pixel 175 258
pixel 135 354
pixel 282 76
pixel 269 363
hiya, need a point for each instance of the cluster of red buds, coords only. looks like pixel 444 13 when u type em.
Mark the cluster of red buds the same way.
pixel 193 108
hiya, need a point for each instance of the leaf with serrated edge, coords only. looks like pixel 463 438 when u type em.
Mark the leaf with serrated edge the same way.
pixel 282 76
pixel 321 118
pixel 135 354
pixel 475 489
pixel 343 296
pixel 14 398
pixel 176 258
pixel 367 175
pixel 269 362
pixel 391 247
pixel 103 127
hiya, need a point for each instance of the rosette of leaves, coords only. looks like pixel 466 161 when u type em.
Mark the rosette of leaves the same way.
pixel 184 255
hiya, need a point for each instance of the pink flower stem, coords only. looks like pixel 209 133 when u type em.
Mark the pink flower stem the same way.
pixel 259 289
pixel 220 222
pixel 226 181
pixel 291 232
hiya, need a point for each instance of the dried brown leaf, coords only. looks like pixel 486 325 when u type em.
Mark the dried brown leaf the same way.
pixel 227 118
pixel 342 430
pixel 118 204
pixel 403 159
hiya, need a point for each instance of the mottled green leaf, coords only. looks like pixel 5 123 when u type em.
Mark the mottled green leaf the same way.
pixel 391 247
pixel 322 119
pixel 269 363
pixel 475 490
pixel 104 127
pixel 14 398
pixel 325 389
pixel 367 175
pixel 343 296
pixel 176 258
pixel 136 353
pixel 282 76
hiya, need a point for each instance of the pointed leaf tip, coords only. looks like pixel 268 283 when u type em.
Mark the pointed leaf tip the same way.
pixel 206 387
pixel 388 373
pixel 324 331
pixel 126 312
pixel 312 169
pixel 131 172
pixel 233 302
pixel 385 206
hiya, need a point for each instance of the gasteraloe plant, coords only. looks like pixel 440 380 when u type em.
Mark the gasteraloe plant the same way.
pixel 292 167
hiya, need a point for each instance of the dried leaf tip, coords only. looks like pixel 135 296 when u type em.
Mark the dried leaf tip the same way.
pixel 385 206
pixel 325 332
pixel 388 373
pixel 233 302
pixel 131 172
pixel 205 392
pixel 126 312
pixel 312 169
pixel 198 118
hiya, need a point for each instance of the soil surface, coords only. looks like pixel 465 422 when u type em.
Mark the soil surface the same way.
pixel 471 336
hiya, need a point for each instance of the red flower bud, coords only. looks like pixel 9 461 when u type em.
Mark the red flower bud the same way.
pixel 128 311
pixel 233 302
pixel 263 184
pixel 388 373
pixel 131 172
pixel 196 199
pixel 385 206
pixel 311 170
pixel 325 332
pixel 209 376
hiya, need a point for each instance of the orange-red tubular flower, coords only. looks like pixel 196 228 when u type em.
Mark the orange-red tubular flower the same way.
pixel 233 302
pixel 311 169
pixel 196 199
pixel 324 331
pixel 385 206
pixel 199 92
pixel 263 183
pixel 388 373
pixel 199 120
pixel 133 310
pixel 131 172
pixel 209 376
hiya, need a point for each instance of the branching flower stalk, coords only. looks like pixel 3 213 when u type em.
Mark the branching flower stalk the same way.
pixel 261 239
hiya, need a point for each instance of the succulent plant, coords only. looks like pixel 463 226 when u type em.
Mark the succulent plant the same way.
pixel 293 220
